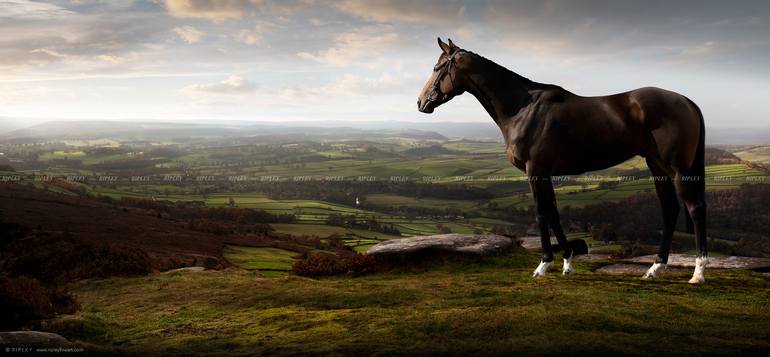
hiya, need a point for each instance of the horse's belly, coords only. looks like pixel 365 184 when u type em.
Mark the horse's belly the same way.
pixel 599 158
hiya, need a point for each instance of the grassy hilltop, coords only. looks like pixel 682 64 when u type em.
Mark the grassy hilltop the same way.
pixel 487 308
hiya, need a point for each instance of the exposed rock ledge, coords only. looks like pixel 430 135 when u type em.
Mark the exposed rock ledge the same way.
pixel 688 261
pixel 462 244
pixel 27 339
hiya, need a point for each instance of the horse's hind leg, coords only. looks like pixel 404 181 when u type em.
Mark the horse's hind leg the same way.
pixel 670 206
pixel 691 190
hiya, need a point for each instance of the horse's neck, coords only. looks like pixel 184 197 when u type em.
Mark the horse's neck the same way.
pixel 501 92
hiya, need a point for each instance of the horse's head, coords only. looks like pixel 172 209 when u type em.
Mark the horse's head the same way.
pixel 443 84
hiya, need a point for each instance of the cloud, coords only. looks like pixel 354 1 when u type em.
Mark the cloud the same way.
pixel 703 49
pixel 74 43
pixel 255 34
pixel 360 46
pixel 597 30
pixel 213 10
pixel 49 52
pixel 189 34
pixel 115 58
pixel 357 85
pixel 220 11
pixel 24 9
pixel 350 85
pixel 388 11
pixel 233 85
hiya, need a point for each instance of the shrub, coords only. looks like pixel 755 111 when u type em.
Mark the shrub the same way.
pixel 62 258
pixel 323 264
pixel 23 299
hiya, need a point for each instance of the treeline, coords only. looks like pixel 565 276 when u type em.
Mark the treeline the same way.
pixel 714 156
pixel 413 212
pixel 371 224
pixel 213 220
pixel 345 192
pixel 190 210
pixel 741 215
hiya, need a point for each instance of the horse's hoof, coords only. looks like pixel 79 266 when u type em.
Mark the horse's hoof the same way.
pixel 542 269
pixel 654 271
pixel 700 267
pixel 567 270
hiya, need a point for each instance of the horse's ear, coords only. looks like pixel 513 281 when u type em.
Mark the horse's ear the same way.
pixel 444 47
pixel 451 45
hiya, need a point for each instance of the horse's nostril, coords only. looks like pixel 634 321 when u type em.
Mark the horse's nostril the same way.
pixel 418 103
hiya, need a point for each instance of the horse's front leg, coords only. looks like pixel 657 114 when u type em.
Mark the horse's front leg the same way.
pixel 539 188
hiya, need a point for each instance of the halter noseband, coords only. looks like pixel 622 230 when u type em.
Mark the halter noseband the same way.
pixel 445 69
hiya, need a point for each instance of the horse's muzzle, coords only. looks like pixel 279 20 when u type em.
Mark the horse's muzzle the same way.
pixel 425 106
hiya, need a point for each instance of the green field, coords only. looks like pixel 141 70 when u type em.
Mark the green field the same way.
pixel 312 215
pixel 474 163
pixel 85 158
pixel 396 200
pixel 251 258
pixel 760 154
pixel 487 308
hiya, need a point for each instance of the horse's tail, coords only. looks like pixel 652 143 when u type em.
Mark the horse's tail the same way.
pixel 698 167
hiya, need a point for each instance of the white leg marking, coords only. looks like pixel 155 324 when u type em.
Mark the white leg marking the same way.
pixel 541 269
pixel 654 270
pixel 700 266
pixel 567 267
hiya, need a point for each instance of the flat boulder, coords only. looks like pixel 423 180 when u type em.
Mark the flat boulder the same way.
pixel 688 261
pixel 579 246
pixel 185 269
pixel 461 244
pixel 27 339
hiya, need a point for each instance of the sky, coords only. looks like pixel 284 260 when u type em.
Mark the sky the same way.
pixel 356 60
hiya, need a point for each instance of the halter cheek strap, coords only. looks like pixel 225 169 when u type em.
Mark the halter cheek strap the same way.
pixel 446 69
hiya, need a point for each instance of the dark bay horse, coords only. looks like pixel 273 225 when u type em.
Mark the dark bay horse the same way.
pixel 551 132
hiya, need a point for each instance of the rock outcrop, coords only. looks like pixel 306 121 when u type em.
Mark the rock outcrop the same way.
pixel 462 244
pixel 32 339
pixel 579 246
pixel 688 261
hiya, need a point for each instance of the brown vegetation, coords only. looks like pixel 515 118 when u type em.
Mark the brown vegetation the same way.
pixel 738 215
pixel 24 299
pixel 322 264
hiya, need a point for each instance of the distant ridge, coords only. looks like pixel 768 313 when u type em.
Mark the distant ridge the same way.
pixel 268 132
pixel 427 130
pixel 738 136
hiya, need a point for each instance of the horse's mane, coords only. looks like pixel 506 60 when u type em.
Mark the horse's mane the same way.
pixel 520 78
pixel 489 62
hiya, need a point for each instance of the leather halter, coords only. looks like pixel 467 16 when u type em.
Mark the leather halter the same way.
pixel 445 69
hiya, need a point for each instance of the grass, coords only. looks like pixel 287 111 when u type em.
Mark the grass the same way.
pixel 486 308
pixel 397 200
pixel 252 258
pixel 759 154
pixel 319 230
pixel 86 158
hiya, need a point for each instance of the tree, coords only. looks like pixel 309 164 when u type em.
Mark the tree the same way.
pixel 442 229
